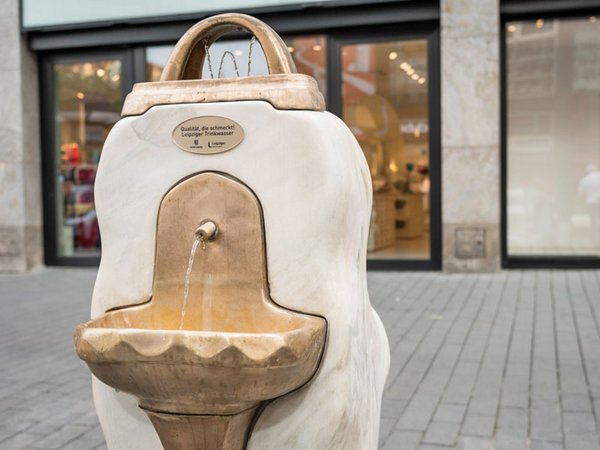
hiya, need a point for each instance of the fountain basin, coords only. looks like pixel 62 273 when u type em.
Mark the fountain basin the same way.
pixel 200 372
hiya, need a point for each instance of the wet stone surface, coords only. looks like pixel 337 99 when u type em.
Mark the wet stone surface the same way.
pixel 509 361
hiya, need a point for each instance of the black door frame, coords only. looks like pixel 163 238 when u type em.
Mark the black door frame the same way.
pixel 518 10
pixel 49 140
pixel 429 32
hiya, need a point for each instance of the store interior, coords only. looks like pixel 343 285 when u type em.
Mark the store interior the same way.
pixel 384 95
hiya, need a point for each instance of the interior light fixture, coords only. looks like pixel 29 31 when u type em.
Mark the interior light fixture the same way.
pixel 405 66
pixel 539 23
pixel 421 80
pixel 100 72
pixel 291 49
pixel 393 56
pixel 511 28
pixel 317 48
pixel 410 71
pixel 80 95
pixel 593 19
pixel 415 76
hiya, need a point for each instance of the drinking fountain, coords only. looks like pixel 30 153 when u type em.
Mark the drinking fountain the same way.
pixel 230 309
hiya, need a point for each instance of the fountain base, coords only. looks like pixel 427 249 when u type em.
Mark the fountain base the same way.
pixel 202 432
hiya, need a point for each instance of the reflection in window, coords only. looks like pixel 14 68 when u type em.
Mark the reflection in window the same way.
pixel 553 141
pixel 384 96
pixel 308 53
pixel 88 103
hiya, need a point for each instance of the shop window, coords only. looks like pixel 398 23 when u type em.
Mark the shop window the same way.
pixel 87 104
pixel 385 104
pixel 553 137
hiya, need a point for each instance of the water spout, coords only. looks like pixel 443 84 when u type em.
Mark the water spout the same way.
pixel 207 231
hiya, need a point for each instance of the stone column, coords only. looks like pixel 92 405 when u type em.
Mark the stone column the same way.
pixel 20 178
pixel 470 135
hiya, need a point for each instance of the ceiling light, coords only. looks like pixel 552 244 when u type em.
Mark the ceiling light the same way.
pixel 393 56
pixel 80 95
pixel 593 19
pixel 415 76
pixel 100 72
pixel 421 80
pixel 511 28
pixel 410 71
pixel 405 66
pixel 539 23
pixel 317 48
pixel 116 77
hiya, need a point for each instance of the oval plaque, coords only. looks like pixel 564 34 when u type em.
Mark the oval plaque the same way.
pixel 208 134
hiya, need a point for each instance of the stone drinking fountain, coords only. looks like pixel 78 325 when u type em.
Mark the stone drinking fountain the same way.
pixel 231 309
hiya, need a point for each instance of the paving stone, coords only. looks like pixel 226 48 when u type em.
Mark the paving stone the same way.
pixel 579 423
pixel 515 420
pixel 61 437
pixel 441 433
pixel 402 440
pixel 19 441
pixel 386 425
pixel 582 441
pixel 505 440
pixel 546 445
pixel 474 443
pixel 450 412
pixel 477 425
pixel 546 424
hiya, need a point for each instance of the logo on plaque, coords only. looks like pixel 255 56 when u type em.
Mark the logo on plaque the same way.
pixel 208 134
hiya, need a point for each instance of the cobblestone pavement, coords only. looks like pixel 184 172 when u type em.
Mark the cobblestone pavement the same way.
pixel 509 361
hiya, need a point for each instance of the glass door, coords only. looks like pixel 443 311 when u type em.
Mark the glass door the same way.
pixel 385 99
pixel 82 96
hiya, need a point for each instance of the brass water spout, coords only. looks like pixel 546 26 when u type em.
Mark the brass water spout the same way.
pixel 207 231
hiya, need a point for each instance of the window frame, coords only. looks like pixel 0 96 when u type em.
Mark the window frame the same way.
pixel 428 31
pixel 49 140
pixel 512 11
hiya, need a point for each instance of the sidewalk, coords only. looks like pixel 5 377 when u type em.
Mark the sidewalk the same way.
pixel 479 362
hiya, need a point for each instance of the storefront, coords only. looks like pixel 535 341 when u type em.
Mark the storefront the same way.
pixel 380 75
pixel 478 118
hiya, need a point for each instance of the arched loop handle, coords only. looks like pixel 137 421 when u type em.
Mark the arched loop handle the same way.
pixel 187 58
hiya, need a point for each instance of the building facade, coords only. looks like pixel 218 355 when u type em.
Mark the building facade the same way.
pixel 478 118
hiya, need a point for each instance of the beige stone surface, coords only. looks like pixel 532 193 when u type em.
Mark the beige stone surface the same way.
pixel 12 241
pixel 462 18
pixel 470 91
pixel 471 184
pixel 20 178
pixel 470 106
pixel 12 202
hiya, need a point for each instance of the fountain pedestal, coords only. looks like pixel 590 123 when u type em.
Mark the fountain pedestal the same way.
pixel 209 432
